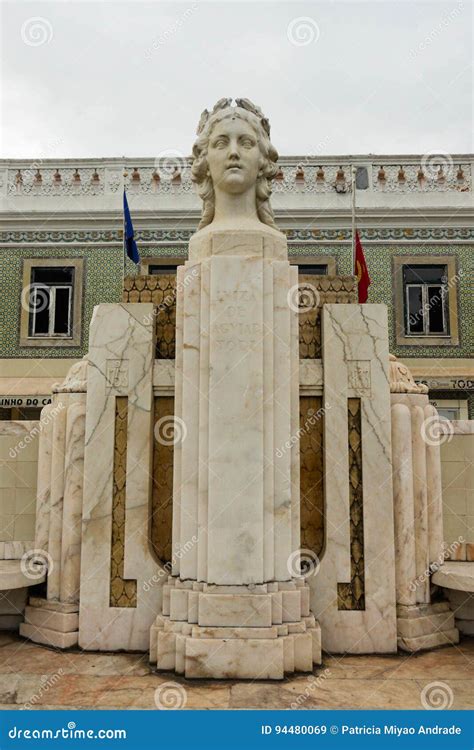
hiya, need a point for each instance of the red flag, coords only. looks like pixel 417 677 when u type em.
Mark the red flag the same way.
pixel 361 271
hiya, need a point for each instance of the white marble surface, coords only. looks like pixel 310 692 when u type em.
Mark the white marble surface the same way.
pixel 404 505
pixel 355 360
pixel 435 492
pixel 237 393
pixel 121 364
pixel 73 491
pixel 58 446
pixel 43 487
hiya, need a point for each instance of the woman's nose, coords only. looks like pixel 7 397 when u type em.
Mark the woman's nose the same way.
pixel 234 148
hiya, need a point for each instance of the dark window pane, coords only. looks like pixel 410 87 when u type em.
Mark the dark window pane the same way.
pixel 29 413
pixel 435 309
pixel 415 310
pixel 52 275
pixel 162 269
pixel 317 270
pixel 39 304
pixel 427 274
pixel 61 312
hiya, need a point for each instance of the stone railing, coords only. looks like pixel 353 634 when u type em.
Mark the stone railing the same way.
pixel 306 174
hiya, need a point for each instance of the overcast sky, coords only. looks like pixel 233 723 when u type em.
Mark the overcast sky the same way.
pixel 101 79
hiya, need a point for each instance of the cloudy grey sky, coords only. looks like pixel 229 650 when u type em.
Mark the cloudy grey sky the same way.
pixel 92 79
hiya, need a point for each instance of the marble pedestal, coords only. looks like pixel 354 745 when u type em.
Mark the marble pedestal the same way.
pixel 232 608
pixel 223 632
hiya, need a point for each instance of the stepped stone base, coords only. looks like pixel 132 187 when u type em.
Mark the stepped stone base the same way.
pixel 51 623
pixel 425 626
pixel 224 632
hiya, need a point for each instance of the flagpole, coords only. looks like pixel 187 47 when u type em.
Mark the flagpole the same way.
pixel 353 169
pixel 124 238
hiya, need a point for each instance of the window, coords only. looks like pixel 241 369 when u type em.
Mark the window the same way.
pixel 317 265
pixel 157 268
pixel 51 302
pixel 426 293
pixel 425 299
pixel 313 268
pixel 161 265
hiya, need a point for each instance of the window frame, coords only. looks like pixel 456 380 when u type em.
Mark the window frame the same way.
pixel 314 260
pixel 450 306
pixel 158 260
pixel 73 337
pixel 425 286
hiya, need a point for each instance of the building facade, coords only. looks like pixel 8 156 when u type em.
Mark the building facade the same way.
pixel 62 254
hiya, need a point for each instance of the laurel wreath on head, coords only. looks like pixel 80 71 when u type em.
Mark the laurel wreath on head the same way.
pixel 243 104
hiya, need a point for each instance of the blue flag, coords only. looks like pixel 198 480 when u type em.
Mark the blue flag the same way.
pixel 129 243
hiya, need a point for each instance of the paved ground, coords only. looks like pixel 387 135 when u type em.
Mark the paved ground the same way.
pixel 37 676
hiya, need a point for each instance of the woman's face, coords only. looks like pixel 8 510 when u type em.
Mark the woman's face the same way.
pixel 233 156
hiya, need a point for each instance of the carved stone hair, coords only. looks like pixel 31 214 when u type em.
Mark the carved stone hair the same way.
pixel 252 114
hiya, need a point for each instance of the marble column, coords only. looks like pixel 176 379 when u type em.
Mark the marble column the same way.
pixel 418 519
pixel 72 512
pixel 43 491
pixel 54 620
pixel 435 492
pixel 57 495
pixel 404 505
pixel 233 608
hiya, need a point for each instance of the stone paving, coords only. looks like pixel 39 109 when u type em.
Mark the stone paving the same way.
pixel 41 677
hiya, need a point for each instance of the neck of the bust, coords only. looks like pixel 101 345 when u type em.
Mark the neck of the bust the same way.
pixel 240 210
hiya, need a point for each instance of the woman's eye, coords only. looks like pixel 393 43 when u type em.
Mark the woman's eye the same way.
pixel 219 143
pixel 247 143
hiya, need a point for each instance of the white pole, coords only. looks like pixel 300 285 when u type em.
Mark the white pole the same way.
pixel 353 169
pixel 123 223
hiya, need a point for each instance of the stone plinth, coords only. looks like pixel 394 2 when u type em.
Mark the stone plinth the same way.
pixel 257 632
pixel 232 608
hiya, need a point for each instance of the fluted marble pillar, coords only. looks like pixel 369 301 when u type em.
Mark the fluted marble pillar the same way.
pixel 233 606
pixel 54 620
pixel 72 510
pixel 418 514
pixel 405 554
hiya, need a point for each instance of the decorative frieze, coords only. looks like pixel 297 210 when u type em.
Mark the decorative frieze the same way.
pixel 302 175
pixel 181 236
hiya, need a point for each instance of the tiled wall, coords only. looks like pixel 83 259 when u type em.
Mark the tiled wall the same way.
pixel 18 474
pixel 457 472
pixel 103 283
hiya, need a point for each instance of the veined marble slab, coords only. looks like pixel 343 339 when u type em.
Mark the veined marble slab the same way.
pixel 355 360
pixel 121 355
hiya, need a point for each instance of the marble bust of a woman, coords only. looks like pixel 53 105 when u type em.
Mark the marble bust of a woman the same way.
pixel 233 163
